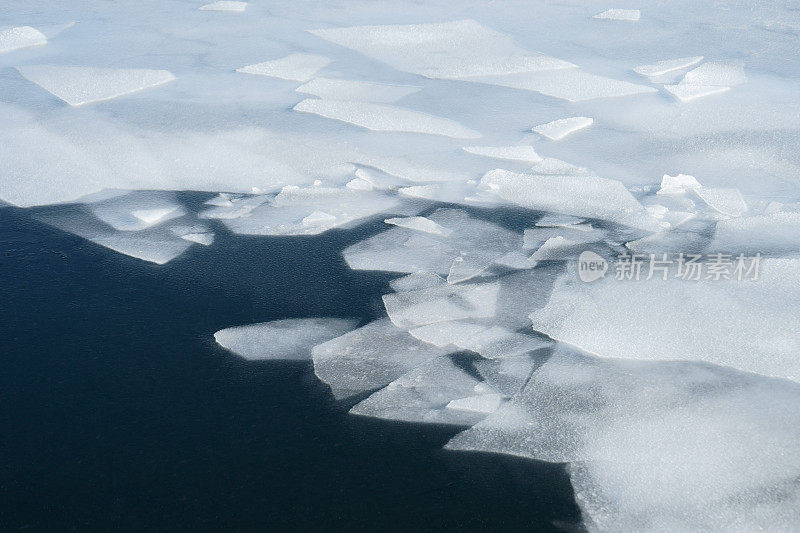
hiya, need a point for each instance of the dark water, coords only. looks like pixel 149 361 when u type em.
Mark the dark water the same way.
pixel 118 411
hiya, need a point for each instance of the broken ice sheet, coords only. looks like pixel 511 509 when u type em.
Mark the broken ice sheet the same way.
pixel 746 324
pixel 294 67
pixel 590 197
pixel 20 37
pixel 378 117
pixel 422 224
pixel 138 210
pixel 775 234
pixel 558 129
pixel 657 446
pixel 526 154
pixel 709 78
pixel 630 15
pixel 225 5
pixel 425 394
pixel 83 85
pixel 355 91
pixel 666 66
pixel 369 357
pixel 411 309
pixel 291 338
pixel 476 242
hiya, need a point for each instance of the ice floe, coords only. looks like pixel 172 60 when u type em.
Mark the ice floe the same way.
pixel 657 446
pixel 225 5
pixel 357 91
pixel 83 85
pixel 291 338
pixel 709 78
pixel 526 154
pixel 737 321
pixel 659 68
pixel 422 224
pixel 590 197
pixel 558 129
pixel 630 15
pixel 20 37
pixel 379 117
pixel 294 67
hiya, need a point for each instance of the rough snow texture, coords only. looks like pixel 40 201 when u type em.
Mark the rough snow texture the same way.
pixel 295 67
pixel 84 85
pixel 558 129
pixel 20 37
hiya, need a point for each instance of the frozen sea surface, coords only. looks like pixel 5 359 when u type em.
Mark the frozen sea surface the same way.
pixel 565 232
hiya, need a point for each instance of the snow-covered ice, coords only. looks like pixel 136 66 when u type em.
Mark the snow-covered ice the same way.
pixel 291 338
pixel 20 37
pixel 294 67
pixel 526 154
pixel 83 85
pixel 558 129
pixel 630 15
pixel 357 91
pixel 667 65
pixel 225 5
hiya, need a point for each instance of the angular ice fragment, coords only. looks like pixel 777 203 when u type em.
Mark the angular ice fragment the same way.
pixel 557 248
pixel 137 210
pixel 550 166
pixel 526 154
pixel 668 65
pixel 83 85
pixel 558 221
pixel 424 394
pixel 369 357
pixel 744 323
pixel 630 15
pixel 450 50
pixel 412 309
pixel 356 91
pixel 657 446
pixel 422 224
pixel 206 239
pixel 482 403
pixel 448 333
pixel 558 129
pixel 719 73
pixel 294 67
pixel 568 84
pixel 20 37
pixel 727 201
pixel 225 5
pixel 680 184
pixel 508 374
pixel 591 197
pixel 686 92
pixel 291 338
pixel 417 281
pixel 155 248
pixel 378 117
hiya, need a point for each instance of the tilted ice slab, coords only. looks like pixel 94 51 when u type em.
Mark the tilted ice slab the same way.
pixel 20 37
pixel 746 324
pixel 225 5
pixel 138 210
pixel 526 154
pixel 475 243
pixel 589 196
pixel 291 338
pixel 709 78
pixel 83 85
pixel 294 67
pixel 666 66
pixel 410 309
pixel 422 224
pixel 490 342
pixel 558 129
pixel 572 85
pixel 378 117
pixel 305 211
pixel 369 357
pixel 630 15
pixel 355 91
pixel 425 394
pixel 658 446
pixel 449 50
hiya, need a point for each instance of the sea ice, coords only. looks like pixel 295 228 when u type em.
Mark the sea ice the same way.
pixel 660 68
pixel 225 5
pixel 422 224
pixel 773 234
pixel 137 210
pixel 20 37
pixel 355 91
pixel 630 15
pixel 686 92
pixel 526 154
pixel 291 338
pixel 378 117
pixel 294 67
pixel 424 394
pixel 411 309
pixel 657 446
pixel 482 403
pixel 558 129
pixel 709 78
pixel 449 50
pixel 83 85
pixel 590 197
pixel 746 323
pixel 369 357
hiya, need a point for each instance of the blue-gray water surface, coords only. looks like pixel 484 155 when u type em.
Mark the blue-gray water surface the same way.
pixel 118 410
